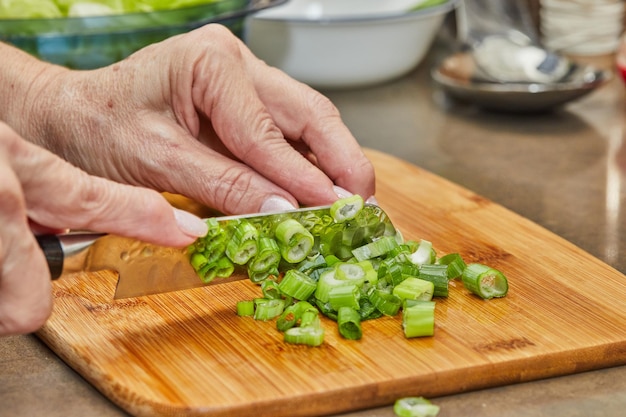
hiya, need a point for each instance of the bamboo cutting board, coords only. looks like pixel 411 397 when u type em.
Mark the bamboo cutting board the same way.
pixel 187 353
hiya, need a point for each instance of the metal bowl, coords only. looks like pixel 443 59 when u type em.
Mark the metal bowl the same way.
pixel 453 78
pixel 97 41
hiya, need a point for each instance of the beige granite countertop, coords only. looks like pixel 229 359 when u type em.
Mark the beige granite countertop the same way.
pixel 565 170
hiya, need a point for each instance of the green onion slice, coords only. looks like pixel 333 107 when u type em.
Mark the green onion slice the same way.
pixel 346 208
pixel 294 240
pixel 267 256
pixel 454 263
pixel 243 243
pixel 484 281
pixel 414 289
pixel 418 318
pixel 245 308
pixel 377 248
pixel 415 407
pixel 349 323
pixel 308 335
pixel 268 309
pixel 388 304
pixel 423 254
pixel 438 275
pixel 297 284
pixel 344 296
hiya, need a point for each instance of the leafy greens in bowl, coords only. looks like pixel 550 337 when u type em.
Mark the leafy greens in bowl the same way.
pixel 95 33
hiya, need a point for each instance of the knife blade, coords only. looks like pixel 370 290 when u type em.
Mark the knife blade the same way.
pixel 143 268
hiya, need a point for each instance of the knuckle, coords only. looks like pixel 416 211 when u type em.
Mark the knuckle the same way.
pixel 230 194
pixel 12 199
pixel 217 38
pixel 94 198
pixel 323 105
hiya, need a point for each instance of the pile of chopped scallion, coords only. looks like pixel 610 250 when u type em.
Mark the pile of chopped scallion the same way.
pixel 348 263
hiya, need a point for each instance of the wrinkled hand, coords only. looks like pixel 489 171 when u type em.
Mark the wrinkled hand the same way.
pixel 37 186
pixel 199 115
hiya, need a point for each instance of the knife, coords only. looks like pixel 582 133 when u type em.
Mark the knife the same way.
pixel 143 268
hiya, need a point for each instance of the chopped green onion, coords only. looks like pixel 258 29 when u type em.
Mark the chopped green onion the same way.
pixel 297 284
pixel 245 308
pixel 215 248
pixel 418 319
pixel 438 275
pixel 310 318
pixel 349 323
pixel 353 236
pixel 221 268
pixel 243 243
pixel 346 208
pixel 198 260
pixel 414 289
pixel 308 335
pixel 260 277
pixel 268 309
pixel 415 407
pixel 423 254
pixel 331 260
pixel 352 260
pixel 386 303
pixel 294 240
pixel 326 283
pixel 455 264
pixel 393 273
pixel 213 227
pixel 367 310
pixel 267 256
pixel 484 281
pixel 357 273
pixel 271 289
pixel 377 248
pixel 344 296
pixel 293 314
pixel 311 264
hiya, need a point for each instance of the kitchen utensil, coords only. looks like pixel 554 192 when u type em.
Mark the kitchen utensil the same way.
pixel 345 44
pixel 188 353
pixel 97 41
pixel 143 268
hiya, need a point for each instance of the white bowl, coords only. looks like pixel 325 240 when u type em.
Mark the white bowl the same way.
pixel 345 43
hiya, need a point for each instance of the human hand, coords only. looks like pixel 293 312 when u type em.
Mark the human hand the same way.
pixel 37 186
pixel 199 115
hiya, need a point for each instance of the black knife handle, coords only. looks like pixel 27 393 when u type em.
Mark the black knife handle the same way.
pixel 53 251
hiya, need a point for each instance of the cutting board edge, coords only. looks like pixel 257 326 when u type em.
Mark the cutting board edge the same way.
pixel 361 396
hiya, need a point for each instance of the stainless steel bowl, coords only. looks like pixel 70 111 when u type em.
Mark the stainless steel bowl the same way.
pixel 456 77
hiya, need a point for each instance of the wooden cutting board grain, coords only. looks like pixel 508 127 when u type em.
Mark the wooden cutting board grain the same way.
pixel 188 353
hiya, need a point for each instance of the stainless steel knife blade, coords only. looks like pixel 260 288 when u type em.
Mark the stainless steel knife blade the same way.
pixel 146 269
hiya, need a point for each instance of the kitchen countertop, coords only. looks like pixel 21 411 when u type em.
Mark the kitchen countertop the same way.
pixel 565 170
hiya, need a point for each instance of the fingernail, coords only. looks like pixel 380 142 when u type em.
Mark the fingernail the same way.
pixel 190 224
pixel 275 203
pixel 341 192
pixel 372 200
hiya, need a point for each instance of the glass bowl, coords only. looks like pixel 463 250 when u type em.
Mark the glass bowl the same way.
pixel 97 41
